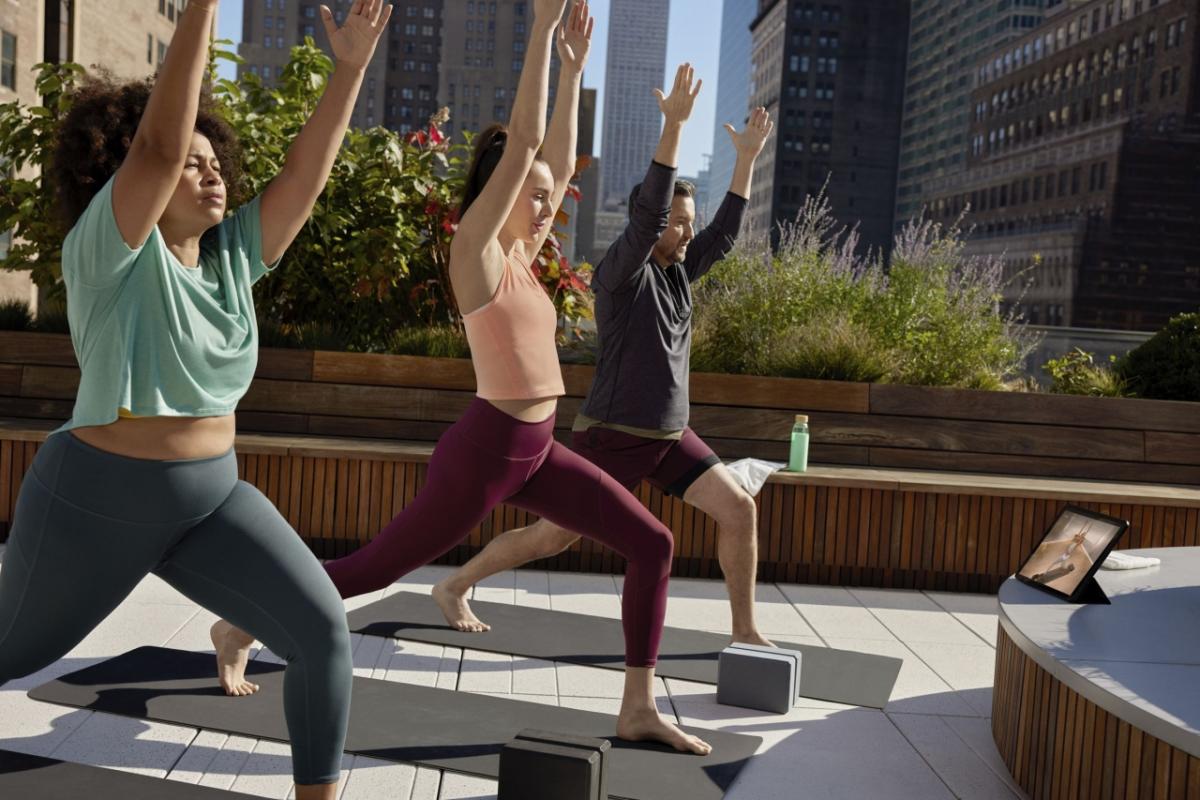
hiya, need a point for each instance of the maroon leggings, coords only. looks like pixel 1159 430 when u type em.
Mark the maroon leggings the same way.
pixel 489 457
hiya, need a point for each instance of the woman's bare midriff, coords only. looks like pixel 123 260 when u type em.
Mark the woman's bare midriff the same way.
pixel 528 410
pixel 163 438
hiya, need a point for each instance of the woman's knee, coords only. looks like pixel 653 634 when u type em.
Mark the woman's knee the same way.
pixel 656 547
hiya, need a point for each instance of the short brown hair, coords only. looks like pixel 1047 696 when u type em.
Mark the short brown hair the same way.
pixel 97 132
pixel 682 189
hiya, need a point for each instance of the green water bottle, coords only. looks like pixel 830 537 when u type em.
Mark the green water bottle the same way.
pixel 798 457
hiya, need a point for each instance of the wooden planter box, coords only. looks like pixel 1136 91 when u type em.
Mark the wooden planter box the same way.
pixel 409 398
pixel 333 462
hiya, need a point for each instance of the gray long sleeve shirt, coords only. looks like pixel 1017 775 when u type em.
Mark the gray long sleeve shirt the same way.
pixel 644 311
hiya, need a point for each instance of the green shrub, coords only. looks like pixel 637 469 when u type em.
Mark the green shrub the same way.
pixel 1078 373
pixel 1167 366
pixel 52 317
pixel 828 349
pixel 371 259
pixel 815 309
pixel 15 316
pixel 437 341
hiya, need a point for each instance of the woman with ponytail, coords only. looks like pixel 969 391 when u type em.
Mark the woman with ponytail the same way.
pixel 503 450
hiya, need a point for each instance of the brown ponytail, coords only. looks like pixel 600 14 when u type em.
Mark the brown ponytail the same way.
pixel 489 148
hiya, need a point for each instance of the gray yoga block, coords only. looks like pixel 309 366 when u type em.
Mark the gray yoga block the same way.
pixel 543 765
pixel 762 678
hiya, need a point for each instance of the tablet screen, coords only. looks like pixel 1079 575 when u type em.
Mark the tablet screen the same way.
pixel 1069 551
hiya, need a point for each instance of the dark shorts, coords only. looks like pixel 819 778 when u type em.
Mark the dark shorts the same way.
pixel 671 465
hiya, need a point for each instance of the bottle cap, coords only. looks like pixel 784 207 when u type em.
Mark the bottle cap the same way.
pixel 801 419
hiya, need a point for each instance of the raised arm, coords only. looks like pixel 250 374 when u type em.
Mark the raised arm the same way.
pixel 288 200
pixel 482 222
pixel 715 241
pixel 150 172
pixel 749 144
pixel 574 42
pixel 650 209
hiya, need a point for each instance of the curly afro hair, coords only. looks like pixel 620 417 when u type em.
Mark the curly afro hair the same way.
pixel 95 136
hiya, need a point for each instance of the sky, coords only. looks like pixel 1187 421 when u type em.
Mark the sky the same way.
pixel 695 36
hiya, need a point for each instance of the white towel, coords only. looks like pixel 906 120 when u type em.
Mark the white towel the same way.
pixel 752 473
pixel 1117 560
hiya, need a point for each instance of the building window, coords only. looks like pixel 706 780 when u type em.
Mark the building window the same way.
pixel 8 60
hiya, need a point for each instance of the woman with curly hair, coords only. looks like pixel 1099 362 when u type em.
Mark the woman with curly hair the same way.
pixel 143 478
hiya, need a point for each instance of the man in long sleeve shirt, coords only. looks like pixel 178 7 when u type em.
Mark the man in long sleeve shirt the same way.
pixel 634 422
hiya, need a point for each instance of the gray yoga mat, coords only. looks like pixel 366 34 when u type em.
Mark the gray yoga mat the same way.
pixel 24 776
pixel 838 676
pixel 392 721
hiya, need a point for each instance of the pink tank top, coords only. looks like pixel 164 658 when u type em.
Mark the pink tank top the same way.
pixel 512 340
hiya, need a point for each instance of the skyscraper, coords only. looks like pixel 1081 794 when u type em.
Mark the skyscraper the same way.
pixel 733 94
pixel 946 41
pixel 637 60
pixel 831 75
pixel 1083 172
pixel 401 84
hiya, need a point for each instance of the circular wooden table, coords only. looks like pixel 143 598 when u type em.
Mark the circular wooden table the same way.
pixel 1103 701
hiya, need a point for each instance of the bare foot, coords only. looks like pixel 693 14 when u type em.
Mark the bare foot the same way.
pixel 649 726
pixel 457 610
pixel 233 651
pixel 753 637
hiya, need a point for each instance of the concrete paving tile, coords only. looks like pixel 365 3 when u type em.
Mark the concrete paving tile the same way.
pixel 977 733
pixel 428 784
pixel 467 787
pixel 576 680
pixel 969 669
pixel 584 594
pixel 693 600
pixel 267 771
pixel 913 617
pixel 979 612
pixel 372 779
pixel 815 754
pixel 203 751
pixel 228 762
pixel 918 688
pixel 106 740
pixel 956 763
pixel 133 625
pixel 486 672
pixel 534 676
pixel 834 611
pixel 420 580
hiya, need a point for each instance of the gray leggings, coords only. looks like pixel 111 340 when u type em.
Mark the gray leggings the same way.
pixel 89 525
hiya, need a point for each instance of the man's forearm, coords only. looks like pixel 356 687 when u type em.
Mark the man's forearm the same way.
pixel 667 153
pixel 743 176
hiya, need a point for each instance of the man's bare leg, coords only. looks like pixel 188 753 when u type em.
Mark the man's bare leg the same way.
pixel 717 494
pixel 509 550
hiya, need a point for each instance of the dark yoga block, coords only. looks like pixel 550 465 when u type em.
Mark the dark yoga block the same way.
pixel 540 765
pixel 762 678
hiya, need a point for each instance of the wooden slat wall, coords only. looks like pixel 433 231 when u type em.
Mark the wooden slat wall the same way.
pixel 838 535
pixel 399 397
pixel 1060 746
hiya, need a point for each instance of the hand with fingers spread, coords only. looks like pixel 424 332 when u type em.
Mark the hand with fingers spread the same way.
pixel 575 37
pixel 677 107
pixel 750 142
pixel 354 42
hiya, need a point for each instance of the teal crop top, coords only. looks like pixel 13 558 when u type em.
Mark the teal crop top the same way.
pixel 153 336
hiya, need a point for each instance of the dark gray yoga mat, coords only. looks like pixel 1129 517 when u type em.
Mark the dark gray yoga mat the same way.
pixel 839 676
pixel 24 776
pixel 438 728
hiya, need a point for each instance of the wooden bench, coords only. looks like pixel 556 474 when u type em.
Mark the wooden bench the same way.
pixel 848 526
pixel 854 424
